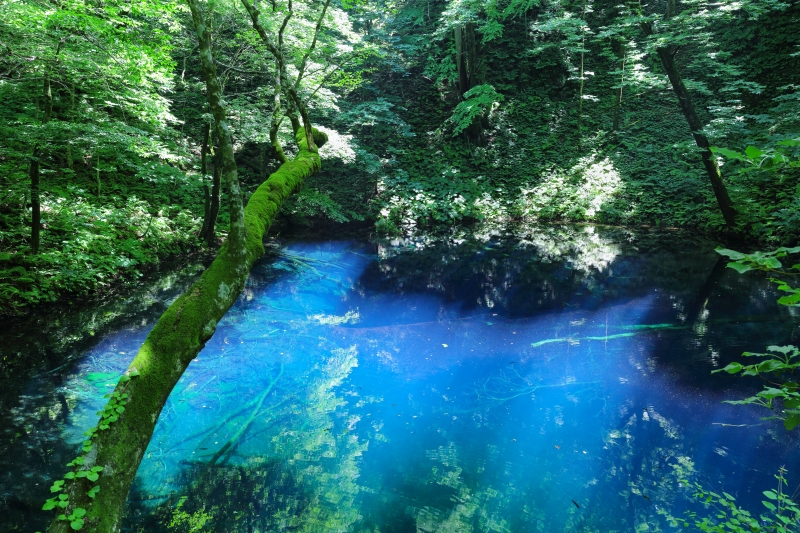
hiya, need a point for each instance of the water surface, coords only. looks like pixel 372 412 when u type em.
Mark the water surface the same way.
pixel 554 380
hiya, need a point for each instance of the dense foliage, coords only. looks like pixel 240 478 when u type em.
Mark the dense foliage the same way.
pixel 438 113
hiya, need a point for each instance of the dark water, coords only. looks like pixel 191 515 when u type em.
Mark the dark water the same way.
pixel 554 381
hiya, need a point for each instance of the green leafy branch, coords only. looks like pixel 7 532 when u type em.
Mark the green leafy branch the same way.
pixel 767 159
pixel 768 262
pixel 108 415
pixel 784 360
pixel 783 513
pixel 477 103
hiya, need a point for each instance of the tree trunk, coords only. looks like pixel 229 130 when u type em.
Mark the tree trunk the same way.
pixel 36 205
pixel 213 208
pixel 206 190
pixel 36 209
pixel 461 60
pixel 97 175
pixel 618 107
pixel 667 56
pixel 467 67
pixel 122 436
pixel 580 101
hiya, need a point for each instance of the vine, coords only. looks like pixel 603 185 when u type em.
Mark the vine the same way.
pixel 108 415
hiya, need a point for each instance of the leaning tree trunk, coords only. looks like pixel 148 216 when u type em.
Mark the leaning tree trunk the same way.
pixel 667 56
pixel 93 493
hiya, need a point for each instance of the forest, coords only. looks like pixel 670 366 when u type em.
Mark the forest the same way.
pixel 240 180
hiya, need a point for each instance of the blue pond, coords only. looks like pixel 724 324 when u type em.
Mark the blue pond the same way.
pixel 558 380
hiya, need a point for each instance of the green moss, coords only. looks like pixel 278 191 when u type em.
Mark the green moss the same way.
pixel 176 339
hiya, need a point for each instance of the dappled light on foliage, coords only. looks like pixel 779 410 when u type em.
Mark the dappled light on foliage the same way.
pixel 419 265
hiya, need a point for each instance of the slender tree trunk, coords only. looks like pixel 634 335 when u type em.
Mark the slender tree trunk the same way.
pixel 213 208
pixel 36 208
pixel 97 175
pixel 618 106
pixel 580 93
pixel 206 189
pixel 117 445
pixel 276 121
pixel 70 160
pixel 461 60
pixel 667 56
pixel 467 67
pixel 36 205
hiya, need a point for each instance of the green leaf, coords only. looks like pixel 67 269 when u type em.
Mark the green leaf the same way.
pixel 791 421
pixel 732 368
pixel 76 524
pixel 792 299
pixel 730 154
pixel 733 254
pixel 770 365
pixel 57 486
pixel 739 267
pixel 769 494
pixel 795 250
pixel 49 504
pixel 753 153
pixel 781 349
pixel 768 505
pixel 771 392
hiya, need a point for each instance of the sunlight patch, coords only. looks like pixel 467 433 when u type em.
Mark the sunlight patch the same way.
pixel 338 146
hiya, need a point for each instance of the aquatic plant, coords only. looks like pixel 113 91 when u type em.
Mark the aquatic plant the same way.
pixel 782 515
pixel 782 361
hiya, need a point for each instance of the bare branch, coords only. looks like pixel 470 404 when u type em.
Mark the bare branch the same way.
pixel 302 68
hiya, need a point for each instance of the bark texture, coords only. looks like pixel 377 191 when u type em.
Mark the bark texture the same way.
pixel 184 328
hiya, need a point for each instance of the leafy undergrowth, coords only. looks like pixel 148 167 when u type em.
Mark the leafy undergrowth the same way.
pixel 89 248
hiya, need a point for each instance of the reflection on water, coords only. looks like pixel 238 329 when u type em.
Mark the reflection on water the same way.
pixel 554 381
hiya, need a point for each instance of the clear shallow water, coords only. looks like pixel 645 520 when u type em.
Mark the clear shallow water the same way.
pixel 558 381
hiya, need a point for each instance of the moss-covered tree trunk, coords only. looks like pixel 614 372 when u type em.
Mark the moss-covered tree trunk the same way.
pixel 95 491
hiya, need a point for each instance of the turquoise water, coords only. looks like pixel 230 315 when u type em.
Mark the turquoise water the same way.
pixel 558 381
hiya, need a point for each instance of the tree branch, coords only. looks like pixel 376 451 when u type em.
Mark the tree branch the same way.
pixel 301 70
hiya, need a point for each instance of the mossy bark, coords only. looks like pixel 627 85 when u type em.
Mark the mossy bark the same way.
pixel 187 324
